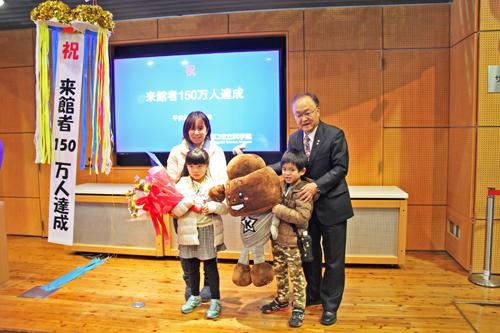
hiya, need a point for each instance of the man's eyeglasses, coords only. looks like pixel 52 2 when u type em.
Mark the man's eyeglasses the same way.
pixel 306 114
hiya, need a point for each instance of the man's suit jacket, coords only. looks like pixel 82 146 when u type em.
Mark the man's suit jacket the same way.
pixel 328 165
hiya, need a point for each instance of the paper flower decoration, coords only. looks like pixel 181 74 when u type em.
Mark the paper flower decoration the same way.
pixel 91 17
pixel 54 12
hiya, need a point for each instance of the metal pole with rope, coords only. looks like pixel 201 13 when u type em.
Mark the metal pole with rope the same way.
pixel 485 278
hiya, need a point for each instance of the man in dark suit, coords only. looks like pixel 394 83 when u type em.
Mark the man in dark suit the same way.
pixel 326 148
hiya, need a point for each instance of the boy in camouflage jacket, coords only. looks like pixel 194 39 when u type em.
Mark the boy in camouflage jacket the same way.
pixel 291 211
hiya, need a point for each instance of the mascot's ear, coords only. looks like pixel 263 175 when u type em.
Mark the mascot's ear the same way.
pixel 217 193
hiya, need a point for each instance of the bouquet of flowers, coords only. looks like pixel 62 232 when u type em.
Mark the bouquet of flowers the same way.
pixel 157 195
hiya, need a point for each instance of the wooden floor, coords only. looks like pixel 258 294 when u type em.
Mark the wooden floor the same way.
pixel 429 294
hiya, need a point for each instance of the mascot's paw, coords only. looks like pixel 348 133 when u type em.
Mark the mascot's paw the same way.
pixel 262 274
pixel 274 232
pixel 239 149
pixel 217 193
pixel 241 275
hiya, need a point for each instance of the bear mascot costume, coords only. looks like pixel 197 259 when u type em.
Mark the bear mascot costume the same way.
pixel 251 192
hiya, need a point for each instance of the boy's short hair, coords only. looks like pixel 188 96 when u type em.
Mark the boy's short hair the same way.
pixel 295 157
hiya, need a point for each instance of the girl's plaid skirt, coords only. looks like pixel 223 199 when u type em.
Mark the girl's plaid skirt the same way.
pixel 206 250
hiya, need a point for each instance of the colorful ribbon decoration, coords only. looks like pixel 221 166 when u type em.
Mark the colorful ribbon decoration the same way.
pixel 101 112
pixel 43 133
pixel 96 24
pixel 54 34
pixel 1 153
pixel 87 46
pixel 60 281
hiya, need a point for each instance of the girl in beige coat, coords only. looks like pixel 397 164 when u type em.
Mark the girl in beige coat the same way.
pixel 200 230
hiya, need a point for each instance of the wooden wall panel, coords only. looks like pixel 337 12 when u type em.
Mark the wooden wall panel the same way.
pixel 123 175
pixel 17 93
pixel 426 228
pixel 4 257
pixel 44 190
pixel 416 26
pixel 461 169
pixel 357 28
pixel 19 174
pixel 17 48
pixel 490 15
pixel 289 131
pixel 463 82
pixel 135 30
pixel 459 248
pixel 479 239
pixel 22 216
pixel 488 103
pixel 84 176
pixel 365 154
pixel 290 21
pixel 348 84
pixel 296 82
pixel 186 26
pixel 415 159
pixel 487 168
pixel 416 87
pixel 463 19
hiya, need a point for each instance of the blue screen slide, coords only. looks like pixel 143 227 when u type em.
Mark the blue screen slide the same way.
pixel 239 92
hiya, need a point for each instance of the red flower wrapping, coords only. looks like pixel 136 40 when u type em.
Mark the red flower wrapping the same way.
pixel 158 196
pixel 161 198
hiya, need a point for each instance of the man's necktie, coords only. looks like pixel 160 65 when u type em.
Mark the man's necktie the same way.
pixel 307 145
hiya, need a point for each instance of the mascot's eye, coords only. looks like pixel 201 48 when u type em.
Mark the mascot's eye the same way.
pixel 240 195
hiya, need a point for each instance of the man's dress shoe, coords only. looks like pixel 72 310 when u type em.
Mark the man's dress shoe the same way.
pixel 328 318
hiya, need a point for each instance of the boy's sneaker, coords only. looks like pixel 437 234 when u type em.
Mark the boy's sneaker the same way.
pixel 274 306
pixel 214 309
pixel 297 318
pixel 192 303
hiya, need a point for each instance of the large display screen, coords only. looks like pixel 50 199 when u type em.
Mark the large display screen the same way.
pixel 241 92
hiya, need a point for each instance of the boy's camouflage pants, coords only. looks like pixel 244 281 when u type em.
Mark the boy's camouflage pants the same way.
pixel 287 261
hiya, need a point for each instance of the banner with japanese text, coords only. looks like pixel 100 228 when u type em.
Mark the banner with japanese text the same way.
pixel 65 127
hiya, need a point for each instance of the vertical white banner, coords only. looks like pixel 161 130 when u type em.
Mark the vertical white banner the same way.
pixel 65 127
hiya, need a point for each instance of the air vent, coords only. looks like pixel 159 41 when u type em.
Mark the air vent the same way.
pixel 454 229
